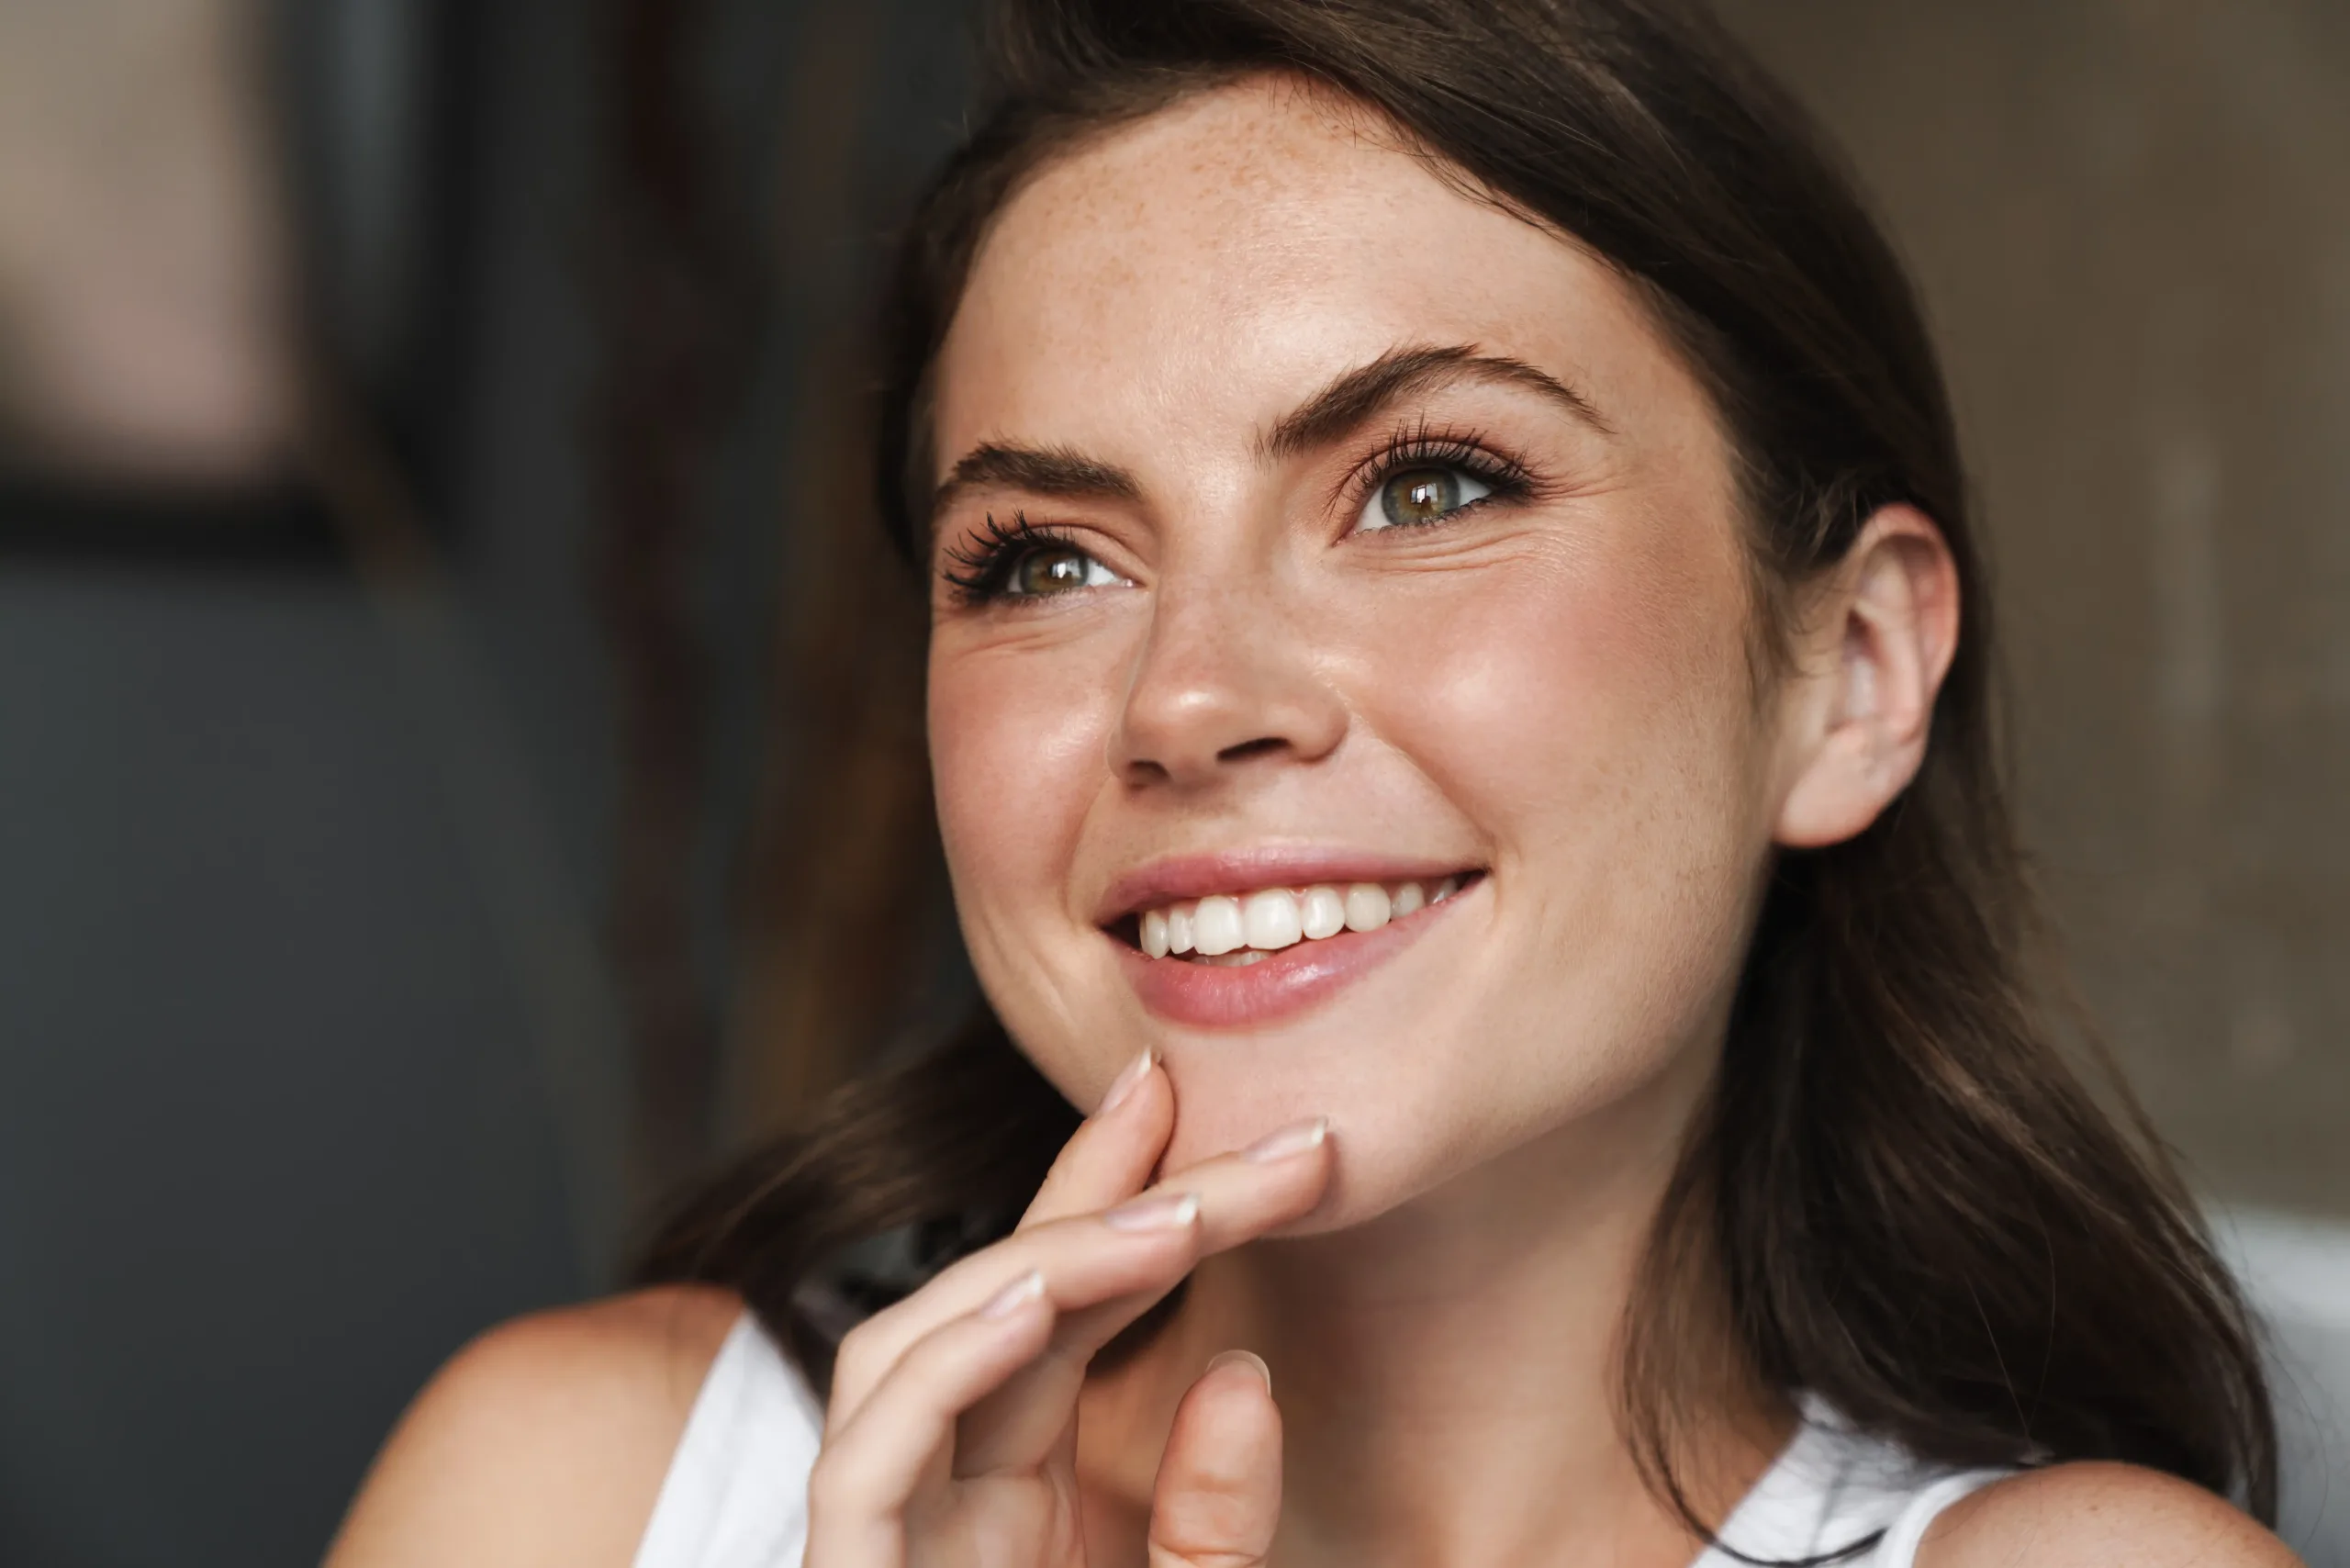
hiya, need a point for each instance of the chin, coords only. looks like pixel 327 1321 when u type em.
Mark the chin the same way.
pixel 1414 1108
pixel 1391 1141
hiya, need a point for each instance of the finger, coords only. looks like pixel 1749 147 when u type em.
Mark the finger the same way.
pixel 1111 1155
pixel 1144 1244
pixel 869 1470
pixel 1219 1495
pixel 1278 1179
pixel 1102 1271
pixel 1241 1196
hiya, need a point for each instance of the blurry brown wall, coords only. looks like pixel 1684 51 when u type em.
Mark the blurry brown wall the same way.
pixel 140 263
pixel 2131 219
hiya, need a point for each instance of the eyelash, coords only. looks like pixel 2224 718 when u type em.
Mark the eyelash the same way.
pixel 987 562
pixel 980 568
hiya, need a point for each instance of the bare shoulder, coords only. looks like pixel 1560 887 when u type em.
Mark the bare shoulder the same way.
pixel 544 1441
pixel 2076 1515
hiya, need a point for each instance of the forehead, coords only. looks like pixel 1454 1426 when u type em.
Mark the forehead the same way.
pixel 1192 275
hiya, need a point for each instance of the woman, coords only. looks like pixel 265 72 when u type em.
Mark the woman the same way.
pixel 1458 672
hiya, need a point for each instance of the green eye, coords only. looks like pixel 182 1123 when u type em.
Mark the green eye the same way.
pixel 1418 496
pixel 1056 568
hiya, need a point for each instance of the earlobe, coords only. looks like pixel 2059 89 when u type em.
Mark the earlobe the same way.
pixel 1881 637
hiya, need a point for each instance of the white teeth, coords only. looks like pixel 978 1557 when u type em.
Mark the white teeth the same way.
pixel 1216 925
pixel 1269 920
pixel 1323 912
pixel 1241 928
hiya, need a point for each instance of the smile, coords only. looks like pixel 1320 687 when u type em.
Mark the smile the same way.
pixel 1238 929
pixel 1245 941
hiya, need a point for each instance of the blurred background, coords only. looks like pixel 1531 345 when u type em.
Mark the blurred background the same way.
pixel 458 762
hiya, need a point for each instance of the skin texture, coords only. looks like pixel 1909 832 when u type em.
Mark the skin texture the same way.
pixel 1553 688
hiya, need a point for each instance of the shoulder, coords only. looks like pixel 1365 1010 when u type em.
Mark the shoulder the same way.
pixel 544 1441
pixel 2080 1515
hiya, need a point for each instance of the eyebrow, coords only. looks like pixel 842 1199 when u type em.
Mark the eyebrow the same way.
pixel 1322 419
pixel 1039 470
pixel 1402 373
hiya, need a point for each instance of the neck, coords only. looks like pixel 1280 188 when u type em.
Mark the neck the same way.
pixel 1448 1374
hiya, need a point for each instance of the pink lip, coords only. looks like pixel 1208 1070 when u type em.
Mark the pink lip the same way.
pixel 1215 996
pixel 1196 875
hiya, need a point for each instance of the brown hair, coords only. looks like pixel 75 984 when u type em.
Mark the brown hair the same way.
pixel 1915 1209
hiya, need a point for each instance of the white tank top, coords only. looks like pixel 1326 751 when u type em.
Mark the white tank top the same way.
pixel 736 1496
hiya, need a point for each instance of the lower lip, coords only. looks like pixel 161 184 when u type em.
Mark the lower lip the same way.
pixel 1224 996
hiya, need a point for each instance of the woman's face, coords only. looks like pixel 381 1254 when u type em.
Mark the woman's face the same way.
pixel 1309 528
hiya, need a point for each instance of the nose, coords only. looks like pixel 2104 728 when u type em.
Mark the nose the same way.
pixel 1224 681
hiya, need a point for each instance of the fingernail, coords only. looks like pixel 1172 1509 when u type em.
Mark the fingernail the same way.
pixel 1015 1296
pixel 1165 1211
pixel 1236 1358
pixel 1123 1084
pixel 1299 1137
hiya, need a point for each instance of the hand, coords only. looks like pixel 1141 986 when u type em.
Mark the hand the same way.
pixel 950 1440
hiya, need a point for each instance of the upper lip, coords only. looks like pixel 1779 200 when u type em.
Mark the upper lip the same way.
pixel 1180 877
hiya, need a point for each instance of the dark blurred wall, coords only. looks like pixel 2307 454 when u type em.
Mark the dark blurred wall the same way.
pixel 2131 222
pixel 304 1068
pixel 311 1064
pixel 272 1139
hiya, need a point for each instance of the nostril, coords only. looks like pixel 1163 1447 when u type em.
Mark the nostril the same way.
pixel 1247 749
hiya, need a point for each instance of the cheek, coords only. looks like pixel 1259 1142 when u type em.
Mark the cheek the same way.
pixel 1589 707
pixel 1586 706
pixel 1018 736
pixel 1016 748
pixel 1595 687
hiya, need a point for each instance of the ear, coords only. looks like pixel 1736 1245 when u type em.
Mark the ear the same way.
pixel 1875 639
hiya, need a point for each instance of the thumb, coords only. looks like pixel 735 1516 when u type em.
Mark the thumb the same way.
pixel 1219 1492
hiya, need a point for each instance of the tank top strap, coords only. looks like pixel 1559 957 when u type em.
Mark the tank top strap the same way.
pixel 1902 1536
pixel 736 1495
pixel 1835 1492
